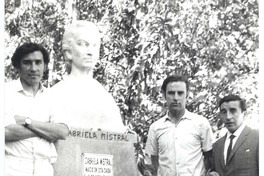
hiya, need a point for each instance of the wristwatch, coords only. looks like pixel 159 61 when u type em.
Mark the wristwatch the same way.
pixel 28 121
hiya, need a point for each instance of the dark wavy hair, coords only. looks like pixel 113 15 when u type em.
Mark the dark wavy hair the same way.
pixel 174 78
pixel 28 48
pixel 232 97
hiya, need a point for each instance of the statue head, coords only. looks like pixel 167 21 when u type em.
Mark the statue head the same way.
pixel 81 45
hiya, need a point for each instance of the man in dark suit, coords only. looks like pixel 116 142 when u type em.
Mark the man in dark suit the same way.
pixel 236 153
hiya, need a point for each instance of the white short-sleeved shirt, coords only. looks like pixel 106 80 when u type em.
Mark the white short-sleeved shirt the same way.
pixel 22 103
pixel 180 147
pixel 85 104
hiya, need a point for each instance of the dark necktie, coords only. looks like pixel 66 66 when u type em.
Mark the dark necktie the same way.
pixel 230 146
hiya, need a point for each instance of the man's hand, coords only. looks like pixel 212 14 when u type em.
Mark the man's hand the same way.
pixel 212 174
pixel 46 130
pixel 20 120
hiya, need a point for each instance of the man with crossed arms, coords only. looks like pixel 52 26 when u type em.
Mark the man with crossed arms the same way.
pixel 30 130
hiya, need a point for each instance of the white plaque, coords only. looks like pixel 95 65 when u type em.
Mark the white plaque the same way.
pixel 97 164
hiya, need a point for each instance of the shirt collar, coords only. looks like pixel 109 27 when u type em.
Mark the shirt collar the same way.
pixel 19 87
pixel 187 115
pixel 237 132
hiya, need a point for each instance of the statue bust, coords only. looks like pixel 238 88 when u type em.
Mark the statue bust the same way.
pixel 79 99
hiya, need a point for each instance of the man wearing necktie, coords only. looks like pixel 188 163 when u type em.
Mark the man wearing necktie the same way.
pixel 236 153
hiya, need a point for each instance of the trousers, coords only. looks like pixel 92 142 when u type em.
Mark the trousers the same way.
pixel 15 166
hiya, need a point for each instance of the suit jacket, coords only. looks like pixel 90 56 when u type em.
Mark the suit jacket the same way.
pixel 244 157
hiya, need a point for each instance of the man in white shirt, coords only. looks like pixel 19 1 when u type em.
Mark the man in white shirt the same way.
pixel 236 153
pixel 180 143
pixel 29 129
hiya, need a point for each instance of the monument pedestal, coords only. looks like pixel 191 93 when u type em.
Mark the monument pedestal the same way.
pixel 96 153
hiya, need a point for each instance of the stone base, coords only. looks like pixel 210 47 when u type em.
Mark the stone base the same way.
pixel 96 153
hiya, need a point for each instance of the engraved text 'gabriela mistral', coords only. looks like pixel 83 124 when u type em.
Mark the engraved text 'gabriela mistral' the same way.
pixel 98 135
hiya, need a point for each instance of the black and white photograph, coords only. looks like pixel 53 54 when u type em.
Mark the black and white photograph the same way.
pixel 131 87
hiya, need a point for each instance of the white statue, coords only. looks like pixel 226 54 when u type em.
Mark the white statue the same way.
pixel 80 100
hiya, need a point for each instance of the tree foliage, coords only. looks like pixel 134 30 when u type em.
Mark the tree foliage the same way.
pixel 213 42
